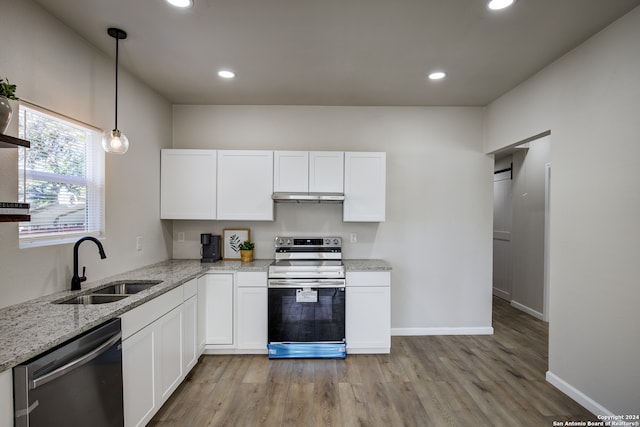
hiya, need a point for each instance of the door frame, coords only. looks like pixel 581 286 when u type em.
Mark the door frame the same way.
pixel 547 234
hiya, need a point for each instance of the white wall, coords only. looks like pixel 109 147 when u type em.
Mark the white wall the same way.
pixel 58 70
pixel 527 234
pixel 590 100
pixel 439 198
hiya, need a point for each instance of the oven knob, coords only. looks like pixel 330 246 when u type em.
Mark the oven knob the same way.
pixel 335 242
pixel 327 242
pixel 280 241
pixel 289 242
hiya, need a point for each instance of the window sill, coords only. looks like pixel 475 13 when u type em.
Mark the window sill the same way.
pixel 26 243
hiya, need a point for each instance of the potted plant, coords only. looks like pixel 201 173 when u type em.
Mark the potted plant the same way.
pixel 246 251
pixel 7 92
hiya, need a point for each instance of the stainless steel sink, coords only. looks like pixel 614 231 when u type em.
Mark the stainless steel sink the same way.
pixel 92 299
pixel 111 292
pixel 126 287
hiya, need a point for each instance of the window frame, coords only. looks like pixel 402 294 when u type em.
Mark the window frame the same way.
pixel 94 181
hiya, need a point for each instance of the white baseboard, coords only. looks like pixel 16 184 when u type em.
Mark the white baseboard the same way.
pixel 480 330
pixel 502 294
pixel 380 350
pixel 527 310
pixel 577 395
pixel 219 351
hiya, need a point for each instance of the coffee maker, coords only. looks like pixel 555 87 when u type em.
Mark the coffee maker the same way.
pixel 211 247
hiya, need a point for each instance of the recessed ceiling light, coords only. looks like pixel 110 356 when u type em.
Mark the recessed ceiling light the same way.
pixel 437 75
pixel 499 4
pixel 226 74
pixel 180 3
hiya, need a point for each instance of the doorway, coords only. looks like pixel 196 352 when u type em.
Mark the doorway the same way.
pixel 502 213
pixel 522 182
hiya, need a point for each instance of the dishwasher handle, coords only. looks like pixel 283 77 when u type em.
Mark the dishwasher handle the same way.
pixel 84 359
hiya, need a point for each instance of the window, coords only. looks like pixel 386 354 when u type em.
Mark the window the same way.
pixel 61 176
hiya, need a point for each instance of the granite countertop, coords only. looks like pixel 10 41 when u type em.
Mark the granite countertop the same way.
pixel 232 266
pixel 35 326
pixel 366 265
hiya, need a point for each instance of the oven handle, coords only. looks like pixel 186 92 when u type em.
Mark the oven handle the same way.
pixel 306 284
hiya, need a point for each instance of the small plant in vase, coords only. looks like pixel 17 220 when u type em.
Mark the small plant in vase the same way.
pixel 246 251
pixel 7 92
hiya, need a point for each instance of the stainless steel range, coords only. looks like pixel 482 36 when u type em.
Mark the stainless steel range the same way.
pixel 306 291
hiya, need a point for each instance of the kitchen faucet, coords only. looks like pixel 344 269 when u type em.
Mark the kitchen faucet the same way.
pixel 76 280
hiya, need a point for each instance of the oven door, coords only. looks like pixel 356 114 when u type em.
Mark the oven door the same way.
pixel 311 311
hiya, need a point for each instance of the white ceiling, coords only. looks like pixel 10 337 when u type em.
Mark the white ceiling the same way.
pixel 337 52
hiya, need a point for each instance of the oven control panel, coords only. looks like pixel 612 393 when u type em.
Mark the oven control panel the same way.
pixel 309 242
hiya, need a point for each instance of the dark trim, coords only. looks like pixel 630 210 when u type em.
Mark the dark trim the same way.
pixel 509 169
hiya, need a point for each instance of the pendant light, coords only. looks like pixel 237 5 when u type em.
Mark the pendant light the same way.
pixel 114 141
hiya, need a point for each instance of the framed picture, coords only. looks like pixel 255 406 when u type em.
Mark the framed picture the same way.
pixel 231 240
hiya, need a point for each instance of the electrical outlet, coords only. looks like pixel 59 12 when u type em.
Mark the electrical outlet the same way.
pixel 180 236
pixel 139 243
pixel 353 238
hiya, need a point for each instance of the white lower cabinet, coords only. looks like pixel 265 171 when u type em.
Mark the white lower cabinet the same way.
pixel 219 309
pixel 170 329
pixel 6 398
pixel 138 372
pixel 201 329
pixel 190 335
pixel 252 311
pixel 152 354
pixel 235 318
pixel 368 312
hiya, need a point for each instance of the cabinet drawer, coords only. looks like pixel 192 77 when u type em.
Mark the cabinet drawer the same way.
pixel 147 313
pixel 252 279
pixel 190 289
pixel 369 278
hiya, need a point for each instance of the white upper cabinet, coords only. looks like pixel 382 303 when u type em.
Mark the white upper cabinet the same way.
pixel 302 171
pixel 364 186
pixel 326 172
pixel 188 184
pixel 245 185
pixel 290 171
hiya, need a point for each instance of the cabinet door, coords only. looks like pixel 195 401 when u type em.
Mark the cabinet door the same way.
pixel 169 353
pixel 326 172
pixel 364 187
pixel 190 335
pixel 245 185
pixel 6 398
pixel 138 373
pixel 188 184
pixel 252 318
pixel 219 309
pixel 202 314
pixel 368 319
pixel 291 171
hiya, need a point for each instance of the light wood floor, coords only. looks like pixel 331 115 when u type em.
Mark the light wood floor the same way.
pixel 474 381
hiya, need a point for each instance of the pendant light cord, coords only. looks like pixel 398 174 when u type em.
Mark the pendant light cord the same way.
pixel 117 44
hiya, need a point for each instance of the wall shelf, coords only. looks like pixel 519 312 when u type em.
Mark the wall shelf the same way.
pixel 14 218
pixel 7 141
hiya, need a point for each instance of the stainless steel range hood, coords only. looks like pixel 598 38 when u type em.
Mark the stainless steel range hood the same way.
pixel 308 197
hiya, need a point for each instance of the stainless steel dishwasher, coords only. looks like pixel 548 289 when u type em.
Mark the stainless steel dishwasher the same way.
pixel 78 383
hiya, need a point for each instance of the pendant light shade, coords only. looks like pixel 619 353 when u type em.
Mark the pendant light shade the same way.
pixel 114 141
